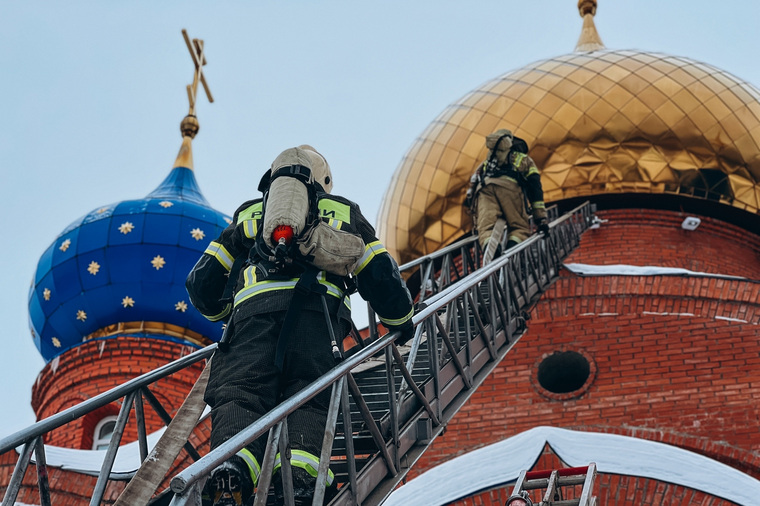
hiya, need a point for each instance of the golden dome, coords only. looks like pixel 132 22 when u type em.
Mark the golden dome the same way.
pixel 597 122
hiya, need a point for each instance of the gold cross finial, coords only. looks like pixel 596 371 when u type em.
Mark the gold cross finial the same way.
pixel 196 52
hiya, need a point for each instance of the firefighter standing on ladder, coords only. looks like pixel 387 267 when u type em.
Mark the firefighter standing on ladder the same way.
pixel 277 341
pixel 505 186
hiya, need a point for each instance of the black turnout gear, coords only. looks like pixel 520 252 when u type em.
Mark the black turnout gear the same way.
pixel 236 281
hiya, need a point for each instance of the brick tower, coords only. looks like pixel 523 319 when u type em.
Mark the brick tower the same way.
pixel 650 335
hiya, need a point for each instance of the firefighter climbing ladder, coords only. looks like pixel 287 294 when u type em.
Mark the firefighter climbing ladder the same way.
pixel 556 483
pixel 381 419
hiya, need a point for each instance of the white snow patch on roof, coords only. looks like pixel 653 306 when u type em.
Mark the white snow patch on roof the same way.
pixel 501 463
pixel 127 460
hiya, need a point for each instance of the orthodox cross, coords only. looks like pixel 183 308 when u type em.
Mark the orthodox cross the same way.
pixel 199 59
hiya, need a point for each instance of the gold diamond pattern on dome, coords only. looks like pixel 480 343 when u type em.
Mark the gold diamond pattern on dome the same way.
pixel 596 122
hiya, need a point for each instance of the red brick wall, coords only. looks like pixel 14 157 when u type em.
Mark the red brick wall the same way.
pixel 676 359
pixel 68 488
pixel 97 366
pixel 83 373
pixel 646 237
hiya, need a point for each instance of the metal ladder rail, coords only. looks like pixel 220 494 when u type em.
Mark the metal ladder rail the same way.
pixel 29 437
pixel 131 392
pixel 376 480
pixel 187 483
pixel 583 215
pixel 439 269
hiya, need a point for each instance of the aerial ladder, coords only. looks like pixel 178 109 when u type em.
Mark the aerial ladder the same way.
pixel 381 419
pixel 560 487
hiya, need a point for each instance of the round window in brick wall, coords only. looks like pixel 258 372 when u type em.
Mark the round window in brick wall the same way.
pixel 564 374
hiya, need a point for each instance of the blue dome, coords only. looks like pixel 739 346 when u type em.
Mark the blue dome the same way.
pixel 121 269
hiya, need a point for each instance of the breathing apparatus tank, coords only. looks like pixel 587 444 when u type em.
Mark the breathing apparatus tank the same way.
pixel 287 200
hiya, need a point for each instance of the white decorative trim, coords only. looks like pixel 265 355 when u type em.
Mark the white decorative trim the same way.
pixel 501 463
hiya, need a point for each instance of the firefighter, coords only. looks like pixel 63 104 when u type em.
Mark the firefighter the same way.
pixel 521 499
pixel 277 341
pixel 504 186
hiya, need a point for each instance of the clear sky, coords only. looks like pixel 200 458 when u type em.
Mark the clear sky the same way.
pixel 93 94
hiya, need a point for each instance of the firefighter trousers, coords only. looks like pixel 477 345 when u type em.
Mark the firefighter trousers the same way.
pixel 245 384
pixel 502 200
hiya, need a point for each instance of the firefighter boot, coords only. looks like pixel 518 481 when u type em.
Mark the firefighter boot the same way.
pixel 230 483
pixel 303 489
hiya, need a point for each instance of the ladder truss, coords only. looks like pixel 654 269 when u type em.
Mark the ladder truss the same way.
pixel 382 418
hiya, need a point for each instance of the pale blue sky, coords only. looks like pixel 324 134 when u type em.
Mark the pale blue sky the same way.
pixel 93 94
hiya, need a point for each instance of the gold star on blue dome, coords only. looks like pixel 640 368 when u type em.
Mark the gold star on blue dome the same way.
pixel 126 227
pixel 158 262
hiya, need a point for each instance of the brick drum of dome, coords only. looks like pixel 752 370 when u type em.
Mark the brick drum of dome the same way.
pixel 676 358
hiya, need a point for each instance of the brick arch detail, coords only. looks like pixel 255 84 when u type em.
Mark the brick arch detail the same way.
pixel 610 489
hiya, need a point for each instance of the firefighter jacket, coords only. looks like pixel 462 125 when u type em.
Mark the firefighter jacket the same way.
pixel 376 276
pixel 520 170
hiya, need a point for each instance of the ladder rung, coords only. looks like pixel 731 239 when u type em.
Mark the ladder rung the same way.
pixel 565 471
pixel 562 481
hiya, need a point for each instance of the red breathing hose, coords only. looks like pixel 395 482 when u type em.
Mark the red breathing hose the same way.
pixel 282 234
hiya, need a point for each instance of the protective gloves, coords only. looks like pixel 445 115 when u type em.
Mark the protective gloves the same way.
pixel 542 225
pixel 407 333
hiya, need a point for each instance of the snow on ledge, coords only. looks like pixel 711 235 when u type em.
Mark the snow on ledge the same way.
pixel 501 463
pixel 636 270
pixel 90 461
pixel 127 460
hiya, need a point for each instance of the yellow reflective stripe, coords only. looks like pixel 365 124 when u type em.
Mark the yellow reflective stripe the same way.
pixel 252 287
pixel 307 462
pixel 253 465
pixel 219 252
pixel 250 229
pixel 217 317
pixel 514 238
pixel 249 276
pixel 250 213
pixel 249 218
pixel 371 250
pixel 333 209
pixel 399 321
pixel 533 170
pixel 333 289
pixel 539 204
pixel 262 287
pixel 336 224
